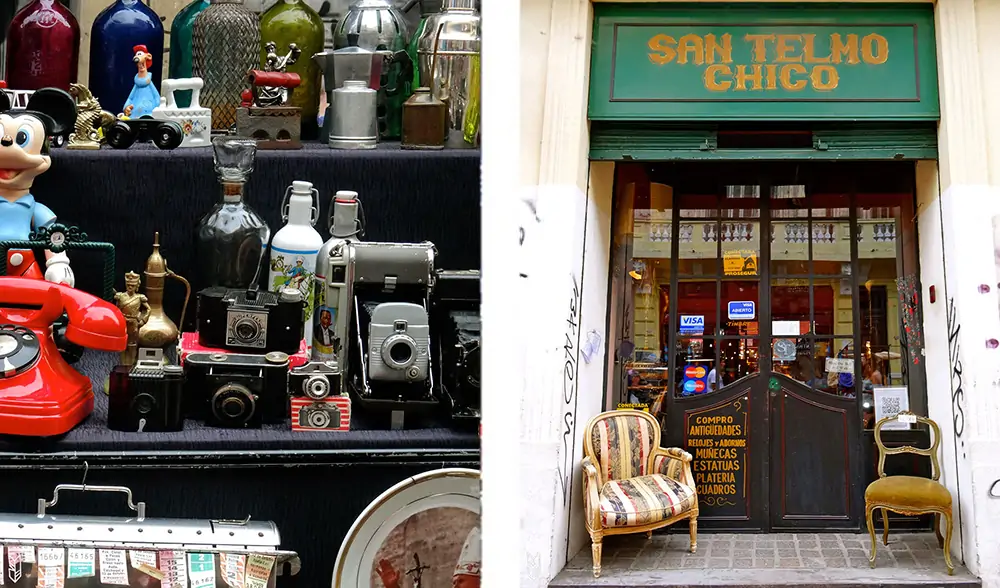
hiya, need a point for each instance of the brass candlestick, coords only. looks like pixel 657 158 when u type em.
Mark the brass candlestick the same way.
pixel 159 331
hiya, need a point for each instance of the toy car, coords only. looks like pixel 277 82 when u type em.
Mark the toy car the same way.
pixel 165 134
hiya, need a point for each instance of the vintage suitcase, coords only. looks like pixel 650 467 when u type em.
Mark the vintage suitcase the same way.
pixel 65 551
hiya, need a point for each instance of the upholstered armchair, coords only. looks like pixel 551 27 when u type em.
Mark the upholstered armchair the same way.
pixel 909 495
pixel 630 483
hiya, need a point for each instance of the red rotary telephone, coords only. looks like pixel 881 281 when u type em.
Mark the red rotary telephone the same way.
pixel 40 394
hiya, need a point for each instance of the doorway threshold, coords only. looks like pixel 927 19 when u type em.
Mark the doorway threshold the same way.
pixel 782 560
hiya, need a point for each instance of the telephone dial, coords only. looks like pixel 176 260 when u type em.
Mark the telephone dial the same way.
pixel 40 394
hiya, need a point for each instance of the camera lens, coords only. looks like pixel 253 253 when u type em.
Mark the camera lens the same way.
pixel 233 404
pixel 319 419
pixel 246 330
pixel 316 387
pixel 143 404
pixel 399 351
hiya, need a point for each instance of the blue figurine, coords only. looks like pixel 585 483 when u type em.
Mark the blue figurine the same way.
pixel 144 96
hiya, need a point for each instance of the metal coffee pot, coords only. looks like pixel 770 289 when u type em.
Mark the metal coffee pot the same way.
pixel 159 331
pixel 376 25
pixel 349 63
pixel 448 56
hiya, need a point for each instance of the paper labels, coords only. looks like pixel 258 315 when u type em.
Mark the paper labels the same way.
pixel 258 570
pixel 145 562
pixel 113 568
pixel 234 567
pixel 173 564
pixel 81 562
pixel 26 552
pixel 201 570
pixel 3 572
pixel 51 567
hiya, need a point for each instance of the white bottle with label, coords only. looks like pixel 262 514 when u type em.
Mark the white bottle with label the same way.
pixel 295 246
pixel 333 284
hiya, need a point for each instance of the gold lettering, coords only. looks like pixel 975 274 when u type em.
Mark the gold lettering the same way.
pixel 786 77
pixel 809 50
pixel 712 82
pixel 772 79
pixel 759 46
pixel 724 50
pixel 690 44
pixel 838 48
pixel 784 46
pixel 875 49
pixel 756 77
pixel 824 78
pixel 663 47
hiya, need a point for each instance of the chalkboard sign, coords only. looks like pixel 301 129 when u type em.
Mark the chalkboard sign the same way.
pixel 717 438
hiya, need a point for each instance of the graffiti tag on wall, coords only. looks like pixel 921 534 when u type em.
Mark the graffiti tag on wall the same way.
pixel 571 358
pixel 954 356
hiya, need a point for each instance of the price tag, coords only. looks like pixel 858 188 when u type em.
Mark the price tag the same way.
pixel 113 567
pixel 258 570
pixel 51 556
pixel 145 562
pixel 3 573
pixel 201 570
pixel 234 569
pixel 13 563
pixel 26 552
pixel 81 563
pixel 908 418
pixel 173 564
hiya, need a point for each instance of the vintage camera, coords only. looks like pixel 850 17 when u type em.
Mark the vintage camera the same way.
pixel 399 340
pixel 456 327
pixel 251 320
pixel 332 314
pixel 315 380
pixel 319 415
pixel 146 398
pixel 236 390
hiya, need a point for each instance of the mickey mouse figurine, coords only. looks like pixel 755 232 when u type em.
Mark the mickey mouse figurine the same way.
pixel 24 155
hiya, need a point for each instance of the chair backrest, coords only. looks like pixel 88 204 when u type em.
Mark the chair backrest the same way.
pixel 930 452
pixel 621 443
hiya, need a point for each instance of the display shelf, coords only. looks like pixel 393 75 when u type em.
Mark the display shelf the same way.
pixel 124 196
pixel 93 440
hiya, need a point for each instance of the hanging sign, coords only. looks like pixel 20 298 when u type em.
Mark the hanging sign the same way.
pixel 764 63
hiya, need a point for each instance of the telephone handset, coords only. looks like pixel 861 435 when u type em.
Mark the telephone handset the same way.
pixel 40 394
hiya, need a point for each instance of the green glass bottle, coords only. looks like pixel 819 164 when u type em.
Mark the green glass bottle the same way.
pixel 427 8
pixel 181 32
pixel 294 21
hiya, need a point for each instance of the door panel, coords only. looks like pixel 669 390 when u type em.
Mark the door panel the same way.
pixel 814 447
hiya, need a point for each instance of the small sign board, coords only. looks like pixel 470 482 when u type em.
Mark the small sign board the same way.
pixel 692 324
pixel 889 402
pixel 739 263
pixel 839 365
pixel 742 310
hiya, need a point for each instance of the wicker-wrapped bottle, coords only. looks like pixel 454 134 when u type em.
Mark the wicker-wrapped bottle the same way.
pixel 226 45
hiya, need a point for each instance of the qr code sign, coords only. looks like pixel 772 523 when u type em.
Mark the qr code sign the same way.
pixel 891 406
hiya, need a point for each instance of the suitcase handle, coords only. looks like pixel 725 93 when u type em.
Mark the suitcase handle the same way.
pixel 139 508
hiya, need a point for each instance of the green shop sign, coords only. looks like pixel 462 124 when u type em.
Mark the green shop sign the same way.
pixel 763 62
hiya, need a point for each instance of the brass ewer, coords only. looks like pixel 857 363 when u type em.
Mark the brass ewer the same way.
pixel 159 331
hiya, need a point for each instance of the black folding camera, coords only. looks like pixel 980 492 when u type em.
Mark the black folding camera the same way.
pixel 251 321
pixel 235 390
pixel 456 328
pixel 146 398
pixel 315 380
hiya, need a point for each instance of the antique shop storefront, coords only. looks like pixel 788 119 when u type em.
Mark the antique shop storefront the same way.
pixel 764 300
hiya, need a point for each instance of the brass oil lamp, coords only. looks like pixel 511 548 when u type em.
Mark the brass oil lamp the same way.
pixel 159 331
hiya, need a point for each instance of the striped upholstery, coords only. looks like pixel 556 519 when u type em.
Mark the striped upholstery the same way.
pixel 672 468
pixel 622 445
pixel 643 500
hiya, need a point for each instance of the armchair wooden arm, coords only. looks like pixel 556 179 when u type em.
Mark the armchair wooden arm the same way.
pixel 675 463
pixel 591 494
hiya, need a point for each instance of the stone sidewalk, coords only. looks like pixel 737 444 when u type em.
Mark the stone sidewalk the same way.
pixel 799 559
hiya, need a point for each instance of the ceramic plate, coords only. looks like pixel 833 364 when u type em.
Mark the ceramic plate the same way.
pixel 416 528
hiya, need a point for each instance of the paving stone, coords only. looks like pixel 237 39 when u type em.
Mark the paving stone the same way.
pixel 832 552
pixel 763 563
pixel 784 544
pixel 809 552
pixel 813 562
pixel 789 563
pixel 743 553
pixel 694 563
pixel 743 544
pixel 743 562
pixel 763 553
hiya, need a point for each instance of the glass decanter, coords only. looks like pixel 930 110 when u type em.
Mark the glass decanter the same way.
pixel 181 36
pixel 231 237
pixel 43 47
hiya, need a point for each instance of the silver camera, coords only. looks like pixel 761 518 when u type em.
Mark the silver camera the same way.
pixel 398 343
pixel 316 380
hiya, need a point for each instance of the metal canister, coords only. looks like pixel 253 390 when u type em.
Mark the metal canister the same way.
pixel 354 124
pixel 424 121
pixel 448 55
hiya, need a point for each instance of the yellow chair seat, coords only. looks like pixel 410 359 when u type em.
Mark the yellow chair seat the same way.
pixel 644 500
pixel 909 491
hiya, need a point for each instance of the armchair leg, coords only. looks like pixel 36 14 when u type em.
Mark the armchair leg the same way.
pixel 694 534
pixel 869 511
pixel 947 543
pixel 649 534
pixel 937 529
pixel 595 550
pixel 885 527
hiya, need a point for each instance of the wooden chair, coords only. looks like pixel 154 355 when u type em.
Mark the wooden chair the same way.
pixel 630 483
pixel 909 495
